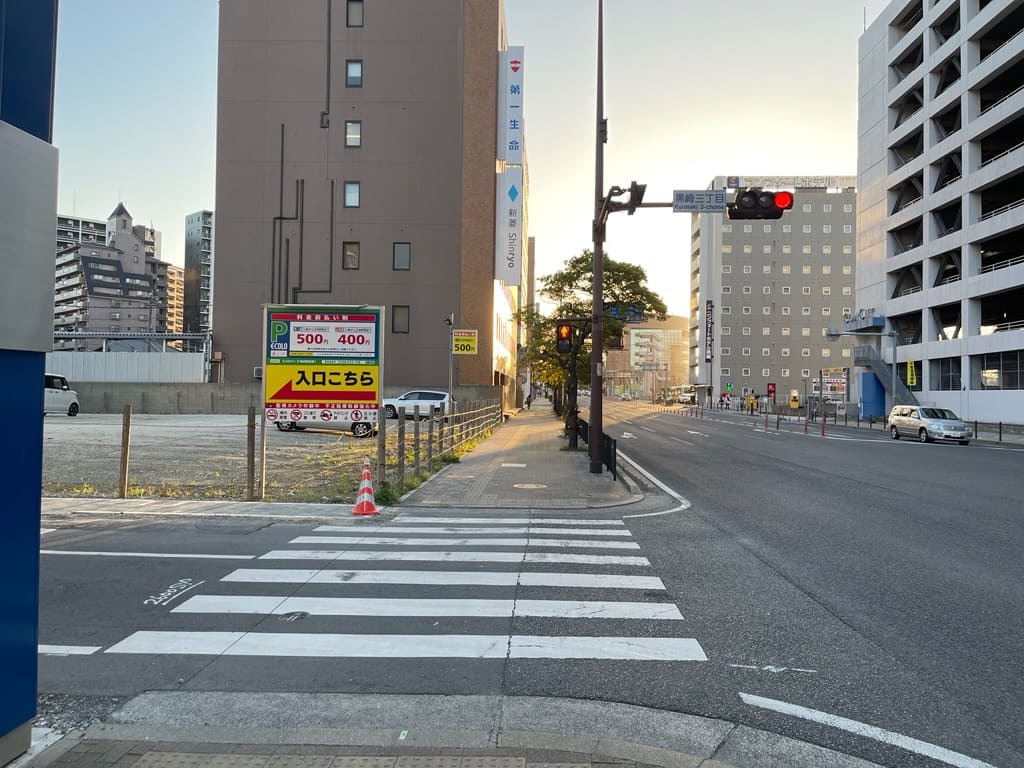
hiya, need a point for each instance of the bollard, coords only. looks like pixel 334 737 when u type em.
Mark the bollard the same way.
pixel 778 421
pixel 1000 431
pixel 824 418
pixel 126 440
pixel 766 421
pixel 250 455
pixel 806 422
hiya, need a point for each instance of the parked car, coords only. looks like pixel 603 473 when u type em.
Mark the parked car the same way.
pixel 359 423
pixel 928 424
pixel 625 396
pixel 58 396
pixel 430 402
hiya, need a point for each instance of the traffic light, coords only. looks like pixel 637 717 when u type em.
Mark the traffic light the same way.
pixel 636 197
pixel 563 337
pixel 757 203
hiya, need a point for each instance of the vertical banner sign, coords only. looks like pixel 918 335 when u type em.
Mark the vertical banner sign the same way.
pixel 911 374
pixel 508 226
pixel 510 105
pixel 709 331
pixel 322 362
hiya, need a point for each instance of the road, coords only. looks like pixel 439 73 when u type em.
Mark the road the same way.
pixel 873 580
pixel 890 568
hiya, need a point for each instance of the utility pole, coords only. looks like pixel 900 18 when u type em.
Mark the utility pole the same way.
pixel 596 382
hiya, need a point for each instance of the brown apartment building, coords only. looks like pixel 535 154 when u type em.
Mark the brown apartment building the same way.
pixel 357 150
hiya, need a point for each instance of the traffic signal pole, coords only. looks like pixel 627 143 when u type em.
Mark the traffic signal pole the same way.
pixel 596 435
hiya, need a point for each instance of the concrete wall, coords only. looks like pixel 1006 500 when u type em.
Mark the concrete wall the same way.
pixel 127 367
pixel 111 397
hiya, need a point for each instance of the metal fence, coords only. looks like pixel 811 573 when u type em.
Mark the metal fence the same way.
pixel 232 457
pixel 609 447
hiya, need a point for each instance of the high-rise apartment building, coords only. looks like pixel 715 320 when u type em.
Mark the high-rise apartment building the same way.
pixel 764 293
pixel 72 230
pixel 198 272
pixel 356 164
pixel 940 251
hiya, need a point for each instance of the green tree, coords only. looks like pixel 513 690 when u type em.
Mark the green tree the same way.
pixel 570 290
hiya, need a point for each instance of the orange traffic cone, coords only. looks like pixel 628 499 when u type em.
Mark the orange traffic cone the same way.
pixel 365 504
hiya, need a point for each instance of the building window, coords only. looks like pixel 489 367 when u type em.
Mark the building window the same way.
pixel 746 289
pixel 353 133
pixel 826 269
pixel 786 269
pixel 847 249
pixel 726 310
pixel 805 249
pixel 746 353
pixel 785 373
pixel 785 331
pixel 727 227
pixel 726 351
pixel 354 13
pixel 805 269
pixel 727 371
pixel 746 310
pixel 847 312
pixel 787 249
pixel 785 290
pixel 847 229
pixel 726 289
pixel 353 73
pixel 748 228
pixel 745 372
pixel 748 249
pixel 401 256
pixel 351 194
pixel 846 351
pixel 766 372
pixel 785 351
pixel 785 310
pixel 746 269
pixel 726 331
pixel 726 249
pixel 848 208
pixel 727 269
pixel 826 229
pixel 826 291
pixel 998 370
pixel 746 330
pixel 827 208
pixel 765 351
pixel 786 228
pixel 766 310
pixel 400 318
pixel 847 270
pixel 766 269
pixel 807 208
pixel 767 228
pixel 805 331
pixel 805 352
pixel 826 352
pixel 806 290
pixel 826 249
pixel 826 311
pixel 350 255
pixel 807 229
pixel 766 290
pixel 766 331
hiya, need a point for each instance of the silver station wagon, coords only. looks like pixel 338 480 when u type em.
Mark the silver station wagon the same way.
pixel 928 424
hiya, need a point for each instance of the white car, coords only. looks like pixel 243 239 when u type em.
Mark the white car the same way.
pixel 430 402
pixel 364 426
pixel 58 396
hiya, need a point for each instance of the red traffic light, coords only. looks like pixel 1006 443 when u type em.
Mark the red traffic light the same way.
pixel 784 200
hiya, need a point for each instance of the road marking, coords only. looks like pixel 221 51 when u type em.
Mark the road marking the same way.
pixel 474 578
pixel 869 731
pixel 68 650
pixel 684 442
pixel 628 436
pixel 268 605
pixel 647 428
pixel 411 646
pixel 170 555
pixel 513 466
pixel 773 668
pixel 692 432
pixel 531 542
pixel 523 531
pixel 46 530
pixel 407 518
pixel 683 502
pixel 454 557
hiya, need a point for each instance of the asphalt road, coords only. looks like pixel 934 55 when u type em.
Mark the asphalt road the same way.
pixel 890 568
pixel 872 580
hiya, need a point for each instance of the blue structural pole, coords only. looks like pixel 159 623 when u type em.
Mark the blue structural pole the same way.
pixel 28 211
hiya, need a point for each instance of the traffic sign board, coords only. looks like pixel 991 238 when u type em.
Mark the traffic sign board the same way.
pixel 464 342
pixel 698 201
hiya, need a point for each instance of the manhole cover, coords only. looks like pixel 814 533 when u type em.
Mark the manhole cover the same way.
pixel 293 616
pixel 529 486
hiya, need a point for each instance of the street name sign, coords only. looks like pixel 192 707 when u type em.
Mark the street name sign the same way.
pixel 698 201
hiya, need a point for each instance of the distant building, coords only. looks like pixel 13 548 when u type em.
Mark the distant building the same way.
pixel 940 208
pixel 198 298
pixel 175 299
pixel 652 358
pixel 72 230
pixel 764 293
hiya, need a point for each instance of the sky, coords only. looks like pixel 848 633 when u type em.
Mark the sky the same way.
pixel 693 90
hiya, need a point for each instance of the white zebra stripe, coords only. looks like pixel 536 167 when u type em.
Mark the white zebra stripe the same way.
pixel 519 530
pixel 402 542
pixel 454 557
pixel 407 518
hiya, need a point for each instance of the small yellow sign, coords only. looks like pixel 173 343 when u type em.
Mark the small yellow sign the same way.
pixel 464 342
pixel 911 374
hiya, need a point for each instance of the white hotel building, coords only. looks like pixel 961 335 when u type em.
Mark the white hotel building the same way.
pixel 940 203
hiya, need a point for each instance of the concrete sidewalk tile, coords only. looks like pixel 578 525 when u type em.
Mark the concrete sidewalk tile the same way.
pixel 365 761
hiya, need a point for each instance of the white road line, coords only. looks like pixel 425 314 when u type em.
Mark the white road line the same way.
pixel 407 518
pixel 684 442
pixel 170 555
pixel 869 731
pixel 453 557
pixel 267 605
pixel 683 503
pixel 513 466
pixel 46 530
pixel 647 428
pixel 531 542
pixel 412 646
pixel 68 650
pixel 463 530
pixel 435 578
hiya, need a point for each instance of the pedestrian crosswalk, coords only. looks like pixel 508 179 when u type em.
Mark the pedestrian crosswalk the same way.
pixel 485 571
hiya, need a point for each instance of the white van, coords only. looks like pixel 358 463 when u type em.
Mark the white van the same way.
pixel 58 396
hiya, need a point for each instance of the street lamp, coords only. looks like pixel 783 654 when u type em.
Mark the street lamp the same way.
pixel 832 334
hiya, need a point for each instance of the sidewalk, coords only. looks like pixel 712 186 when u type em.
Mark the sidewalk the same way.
pixel 524 465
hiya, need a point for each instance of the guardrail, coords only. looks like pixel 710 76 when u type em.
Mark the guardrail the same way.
pixel 609 447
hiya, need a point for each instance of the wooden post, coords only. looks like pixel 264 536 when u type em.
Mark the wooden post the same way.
pixel 416 440
pixel 126 440
pixel 400 455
